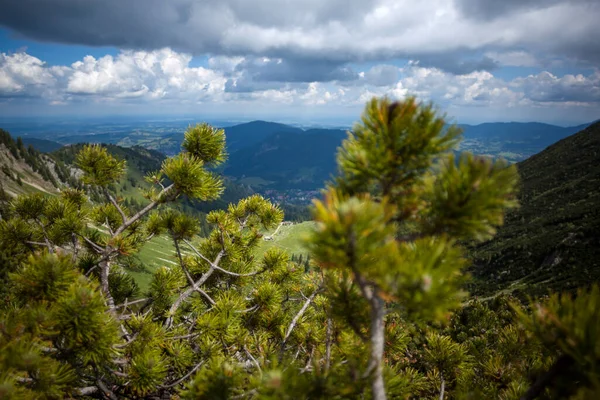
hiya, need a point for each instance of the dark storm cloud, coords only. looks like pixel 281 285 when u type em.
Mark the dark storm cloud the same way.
pixel 281 70
pixel 255 74
pixel 491 9
pixel 186 25
pixel 457 66
pixel 317 39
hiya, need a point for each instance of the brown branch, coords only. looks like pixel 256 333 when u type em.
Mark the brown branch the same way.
pixel 36 243
pixel 206 296
pixel 247 310
pixel 96 247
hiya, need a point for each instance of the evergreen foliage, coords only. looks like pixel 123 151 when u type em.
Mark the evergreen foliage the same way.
pixel 376 311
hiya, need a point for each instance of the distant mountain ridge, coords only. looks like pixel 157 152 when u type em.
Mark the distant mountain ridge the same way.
pixel 260 156
pixel 305 159
pixel 42 145
pixel 528 138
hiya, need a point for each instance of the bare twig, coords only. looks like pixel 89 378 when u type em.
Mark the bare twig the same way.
pixel 114 203
pixel 143 211
pixel 183 296
pixel 215 266
pixel 247 310
pixel 328 344
pixel 253 359
pixel 94 245
pixel 126 304
pixel 177 382
pixel 109 393
pixel 206 296
pixel 298 316
pixel 86 391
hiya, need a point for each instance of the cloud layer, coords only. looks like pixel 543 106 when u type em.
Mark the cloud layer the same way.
pixel 163 77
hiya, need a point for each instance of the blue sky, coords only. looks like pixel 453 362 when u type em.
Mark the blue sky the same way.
pixel 304 60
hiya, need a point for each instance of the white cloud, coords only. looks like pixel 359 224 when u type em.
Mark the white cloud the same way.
pixel 22 74
pixel 156 74
pixel 153 79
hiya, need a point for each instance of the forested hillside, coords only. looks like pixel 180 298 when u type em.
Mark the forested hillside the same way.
pixel 552 242
pixel 289 160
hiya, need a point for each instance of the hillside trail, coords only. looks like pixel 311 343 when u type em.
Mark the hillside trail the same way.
pixel 38 187
pixel 270 237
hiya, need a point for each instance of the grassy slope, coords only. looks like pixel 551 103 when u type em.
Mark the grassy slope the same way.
pixel 156 253
pixel 160 251
pixel 288 238
pixel 553 241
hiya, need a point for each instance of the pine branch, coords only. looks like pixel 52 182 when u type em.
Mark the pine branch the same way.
pixel 114 203
pixel 328 341
pixel 94 245
pixel 107 392
pixel 253 359
pixel 36 243
pixel 143 211
pixel 46 240
pixel 121 346
pixel 298 316
pixel 177 382
pixel 126 304
pixel 377 336
pixel 183 296
pixel 206 296
pixel 247 310
pixel 183 267
pixel 216 267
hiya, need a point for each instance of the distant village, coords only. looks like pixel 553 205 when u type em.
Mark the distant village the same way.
pixel 291 196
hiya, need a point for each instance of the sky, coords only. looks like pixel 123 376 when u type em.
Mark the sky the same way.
pixel 304 60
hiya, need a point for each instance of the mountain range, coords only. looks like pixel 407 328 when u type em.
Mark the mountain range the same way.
pixel 269 155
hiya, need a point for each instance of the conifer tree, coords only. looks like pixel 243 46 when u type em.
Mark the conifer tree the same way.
pixel 392 219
